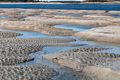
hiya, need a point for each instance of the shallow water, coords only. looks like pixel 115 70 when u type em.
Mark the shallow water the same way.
pixel 31 34
pixel 65 74
pixel 38 59
pixel 114 48
pixel 73 27
pixel 27 34
pixel 68 14
pixel 3 17
pixel 115 15
pixel 67 6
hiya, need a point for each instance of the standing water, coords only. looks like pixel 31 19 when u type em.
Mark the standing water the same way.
pixel 64 74
pixel 38 56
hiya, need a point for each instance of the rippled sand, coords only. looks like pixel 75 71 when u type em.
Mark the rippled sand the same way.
pixel 88 61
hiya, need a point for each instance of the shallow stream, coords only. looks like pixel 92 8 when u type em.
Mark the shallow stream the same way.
pixel 38 59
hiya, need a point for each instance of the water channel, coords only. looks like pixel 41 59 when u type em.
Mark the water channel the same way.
pixel 64 73
pixel 38 59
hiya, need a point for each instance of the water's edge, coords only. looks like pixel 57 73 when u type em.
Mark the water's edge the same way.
pixel 83 6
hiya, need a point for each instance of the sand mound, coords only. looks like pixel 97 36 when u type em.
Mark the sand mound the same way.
pixel 105 34
pixel 98 73
pixel 78 58
pixel 101 17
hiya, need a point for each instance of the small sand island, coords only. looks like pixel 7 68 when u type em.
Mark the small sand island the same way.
pixel 59 44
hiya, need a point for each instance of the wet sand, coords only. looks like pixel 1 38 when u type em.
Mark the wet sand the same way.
pixel 16 50
pixel 91 62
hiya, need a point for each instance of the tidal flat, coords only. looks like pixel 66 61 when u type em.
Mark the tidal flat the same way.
pixel 45 44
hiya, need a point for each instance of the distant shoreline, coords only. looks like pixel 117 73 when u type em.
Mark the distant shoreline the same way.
pixel 59 2
pixel 63 6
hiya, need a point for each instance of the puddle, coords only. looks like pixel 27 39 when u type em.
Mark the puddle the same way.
pixel 3 17
pixel 31 34
pixel 73 27
pixel 69 14
pixel 64 74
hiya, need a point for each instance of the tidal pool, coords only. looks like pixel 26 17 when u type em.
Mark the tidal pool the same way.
pixel 64 73
pixel 68 14
pixel 31 34
pixel 38 56
pixel 3 17
pixel 73 27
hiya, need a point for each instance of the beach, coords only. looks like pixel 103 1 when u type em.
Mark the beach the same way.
pixel 46 44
